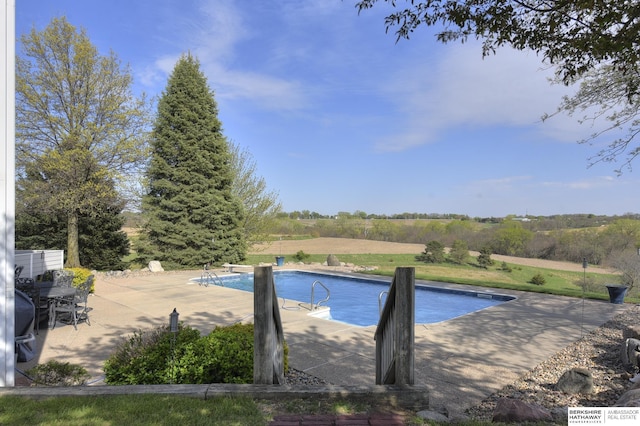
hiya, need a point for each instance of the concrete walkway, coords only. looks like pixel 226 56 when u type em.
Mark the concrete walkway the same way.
pixel 461 361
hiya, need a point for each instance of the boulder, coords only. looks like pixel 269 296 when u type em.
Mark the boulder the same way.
pixel 516 411
pixel 155 266
pixel 576 381
pixel 332 260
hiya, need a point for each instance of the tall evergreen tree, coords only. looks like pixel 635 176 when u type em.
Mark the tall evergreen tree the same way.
pixel 192 216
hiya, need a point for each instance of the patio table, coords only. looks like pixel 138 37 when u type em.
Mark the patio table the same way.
pixel 52 294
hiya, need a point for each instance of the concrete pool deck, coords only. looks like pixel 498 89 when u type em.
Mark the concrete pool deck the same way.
pixel 461 361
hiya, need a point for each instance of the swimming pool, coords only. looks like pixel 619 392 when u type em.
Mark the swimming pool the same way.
pixel 356 300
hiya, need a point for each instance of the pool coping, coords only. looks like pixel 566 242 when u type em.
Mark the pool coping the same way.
pixel 425 284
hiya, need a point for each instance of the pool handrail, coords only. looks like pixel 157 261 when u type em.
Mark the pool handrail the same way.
pixel 380 305
pixel 206 278
pixel 313 307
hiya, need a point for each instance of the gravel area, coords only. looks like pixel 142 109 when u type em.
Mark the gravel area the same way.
pixel 300 378
pixel 598 352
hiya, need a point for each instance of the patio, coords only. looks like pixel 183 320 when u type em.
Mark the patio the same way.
pixel 461 361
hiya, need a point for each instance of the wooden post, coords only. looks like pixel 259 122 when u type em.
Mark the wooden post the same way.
pixel 405 326
pixel 268 340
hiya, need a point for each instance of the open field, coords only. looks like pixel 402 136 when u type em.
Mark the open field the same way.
pixel 352 246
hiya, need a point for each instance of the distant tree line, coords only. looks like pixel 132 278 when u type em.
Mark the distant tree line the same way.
pixel 599 239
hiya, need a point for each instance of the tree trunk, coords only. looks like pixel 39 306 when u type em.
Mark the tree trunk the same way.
pixel 73 252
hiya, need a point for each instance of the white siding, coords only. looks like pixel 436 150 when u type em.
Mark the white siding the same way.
pixel 7 190
pixel 35 262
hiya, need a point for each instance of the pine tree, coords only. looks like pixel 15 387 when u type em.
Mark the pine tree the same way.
pixel 192 217
pixel 102 244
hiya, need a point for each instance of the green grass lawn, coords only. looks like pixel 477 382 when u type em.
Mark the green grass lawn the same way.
pixel 165 410
pixel 130 410
pixel 515 277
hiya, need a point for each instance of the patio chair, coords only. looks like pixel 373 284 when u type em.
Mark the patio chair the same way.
pixel 77 308
pixel 41 304
pixel 62 278
pixel 22 283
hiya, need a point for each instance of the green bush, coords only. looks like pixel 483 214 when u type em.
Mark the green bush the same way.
pixel 505 267
pixel 538 279
pixel 223 356
pixel 433 253
pixel 146 357
pixel 80 275
pixel 484 258
pixel 301 256
pixel 56 373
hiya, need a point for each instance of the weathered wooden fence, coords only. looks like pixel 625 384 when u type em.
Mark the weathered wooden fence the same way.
pixel 395 333
pixel 268 338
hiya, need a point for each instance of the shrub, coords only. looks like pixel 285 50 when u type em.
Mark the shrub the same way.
pixel 459 252
pixel 538 279
pixel 433 253
pixel 145 357
pixel 484 258
pixel 301 256
pixel 56 373
pixel 80 275
pixel 505 267
pixel 223 356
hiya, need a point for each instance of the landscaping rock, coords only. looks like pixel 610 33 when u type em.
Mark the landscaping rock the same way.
pixel 629 399
pixel 433 416
pixel 631 332
pixel 576 380
pixel 332 260
pixel 516 411
pixel 155 266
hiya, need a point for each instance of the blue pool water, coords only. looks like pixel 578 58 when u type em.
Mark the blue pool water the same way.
pixel 355 300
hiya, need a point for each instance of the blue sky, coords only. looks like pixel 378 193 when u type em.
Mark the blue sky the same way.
pixel 340 117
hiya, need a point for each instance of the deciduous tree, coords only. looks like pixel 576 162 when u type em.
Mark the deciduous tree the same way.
pixel 261 206
pixel 628 264
pixel 192 215
pixel 79 128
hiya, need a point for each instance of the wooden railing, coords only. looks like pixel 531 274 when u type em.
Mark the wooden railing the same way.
pixel 268 338
pixel 395 333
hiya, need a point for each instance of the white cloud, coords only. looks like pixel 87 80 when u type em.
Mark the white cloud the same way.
pixel 213 36
pixel 511 88
pixel 585 184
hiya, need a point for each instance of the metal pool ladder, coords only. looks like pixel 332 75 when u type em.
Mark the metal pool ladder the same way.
pixel 325 300
pixel 206 278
